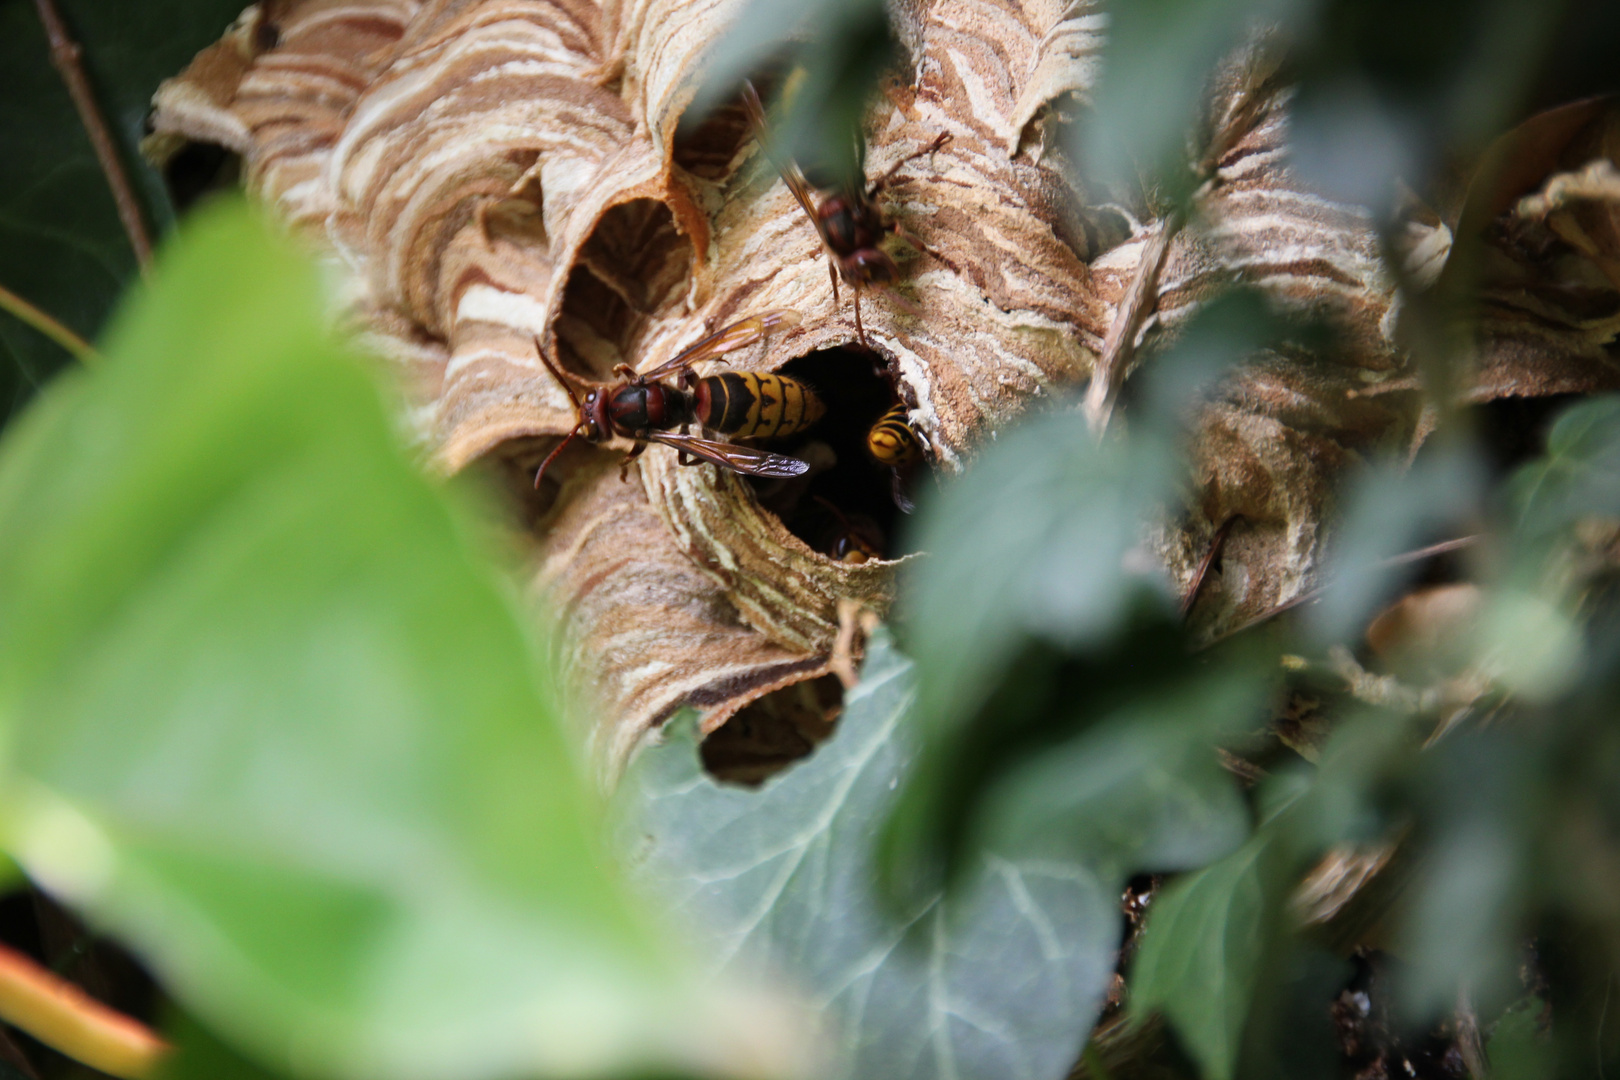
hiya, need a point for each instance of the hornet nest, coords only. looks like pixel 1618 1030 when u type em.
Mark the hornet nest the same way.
pixel 491 172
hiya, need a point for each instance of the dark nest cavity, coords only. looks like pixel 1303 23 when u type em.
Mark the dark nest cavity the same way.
pixel 846 491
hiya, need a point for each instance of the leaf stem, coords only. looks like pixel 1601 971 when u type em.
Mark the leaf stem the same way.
pixel 65 56
pixel 65 1018
pixel 15 305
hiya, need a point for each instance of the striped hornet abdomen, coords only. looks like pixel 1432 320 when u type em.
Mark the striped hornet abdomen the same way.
pixel 750 405
pixel 892 441
pixel 895 444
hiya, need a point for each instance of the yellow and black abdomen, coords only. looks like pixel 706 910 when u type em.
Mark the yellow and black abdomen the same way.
pixel 750 405
pixel 891 441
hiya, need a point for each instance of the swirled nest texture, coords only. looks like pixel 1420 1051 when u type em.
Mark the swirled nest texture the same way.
pixel 490 172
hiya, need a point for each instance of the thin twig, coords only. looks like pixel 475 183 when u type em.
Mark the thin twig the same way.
pixel 1215 545
pixel 65 1018
pixel 65 54
pixel 1444 547
pixel 1140 300
pixel 15 305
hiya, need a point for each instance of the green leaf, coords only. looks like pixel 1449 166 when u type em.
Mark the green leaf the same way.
pixel 1390 89
pixel 199 1055
pixel 1205 946
pixel 1038 634
pixel 1383 88
pixel 1040 540
pixel 1030 544
pixel 1480 798
pixel 1530 643
pixel 1138 788
pixel 1003 979
pixel 61 244
pixel 1107 757
pixel 1518 1048
pixel 1291 1031
pixel 1579 476
pixel 1216 944
pixel 270 718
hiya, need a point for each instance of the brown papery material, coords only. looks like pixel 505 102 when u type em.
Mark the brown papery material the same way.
pixel 493 171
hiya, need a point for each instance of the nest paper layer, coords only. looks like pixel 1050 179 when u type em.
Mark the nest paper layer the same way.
pixel 496 171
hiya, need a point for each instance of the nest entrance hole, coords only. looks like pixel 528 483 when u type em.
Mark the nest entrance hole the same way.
pixel 846 489
pixel 768 735
pixel 709 145
pixel 708 148
pixel 634 265
pixel 197 169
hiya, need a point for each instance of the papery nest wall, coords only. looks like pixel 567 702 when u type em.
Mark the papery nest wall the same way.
pixel 496 171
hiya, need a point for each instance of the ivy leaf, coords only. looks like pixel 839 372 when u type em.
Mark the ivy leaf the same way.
pixel 1578 476
pixel 1481 799
pixel 61 244
pixel 270 718
pixel 1001 979
pixel 198 1055
pixel 1139 786
pixel 1518 1048
pixel 1204 948
pixel 1216 942
pixel 1070 585
pixel 1062 511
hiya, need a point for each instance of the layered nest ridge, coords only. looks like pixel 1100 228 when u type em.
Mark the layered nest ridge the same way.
pixel 496 173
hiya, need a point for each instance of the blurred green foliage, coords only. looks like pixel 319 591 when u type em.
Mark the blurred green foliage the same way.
pixel 1028 624
pixel 1391 507
pixel 834 52
pixel 1212 933
pixel 270 717
pixel 1505 825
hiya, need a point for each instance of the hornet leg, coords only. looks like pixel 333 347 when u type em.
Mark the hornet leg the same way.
pixel 911 238
pixel 888 178
pixel 624 466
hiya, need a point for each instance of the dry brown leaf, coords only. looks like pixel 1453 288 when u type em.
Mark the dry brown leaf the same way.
pixel 1336 879
pixel 1551 256
pixel 1430 625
